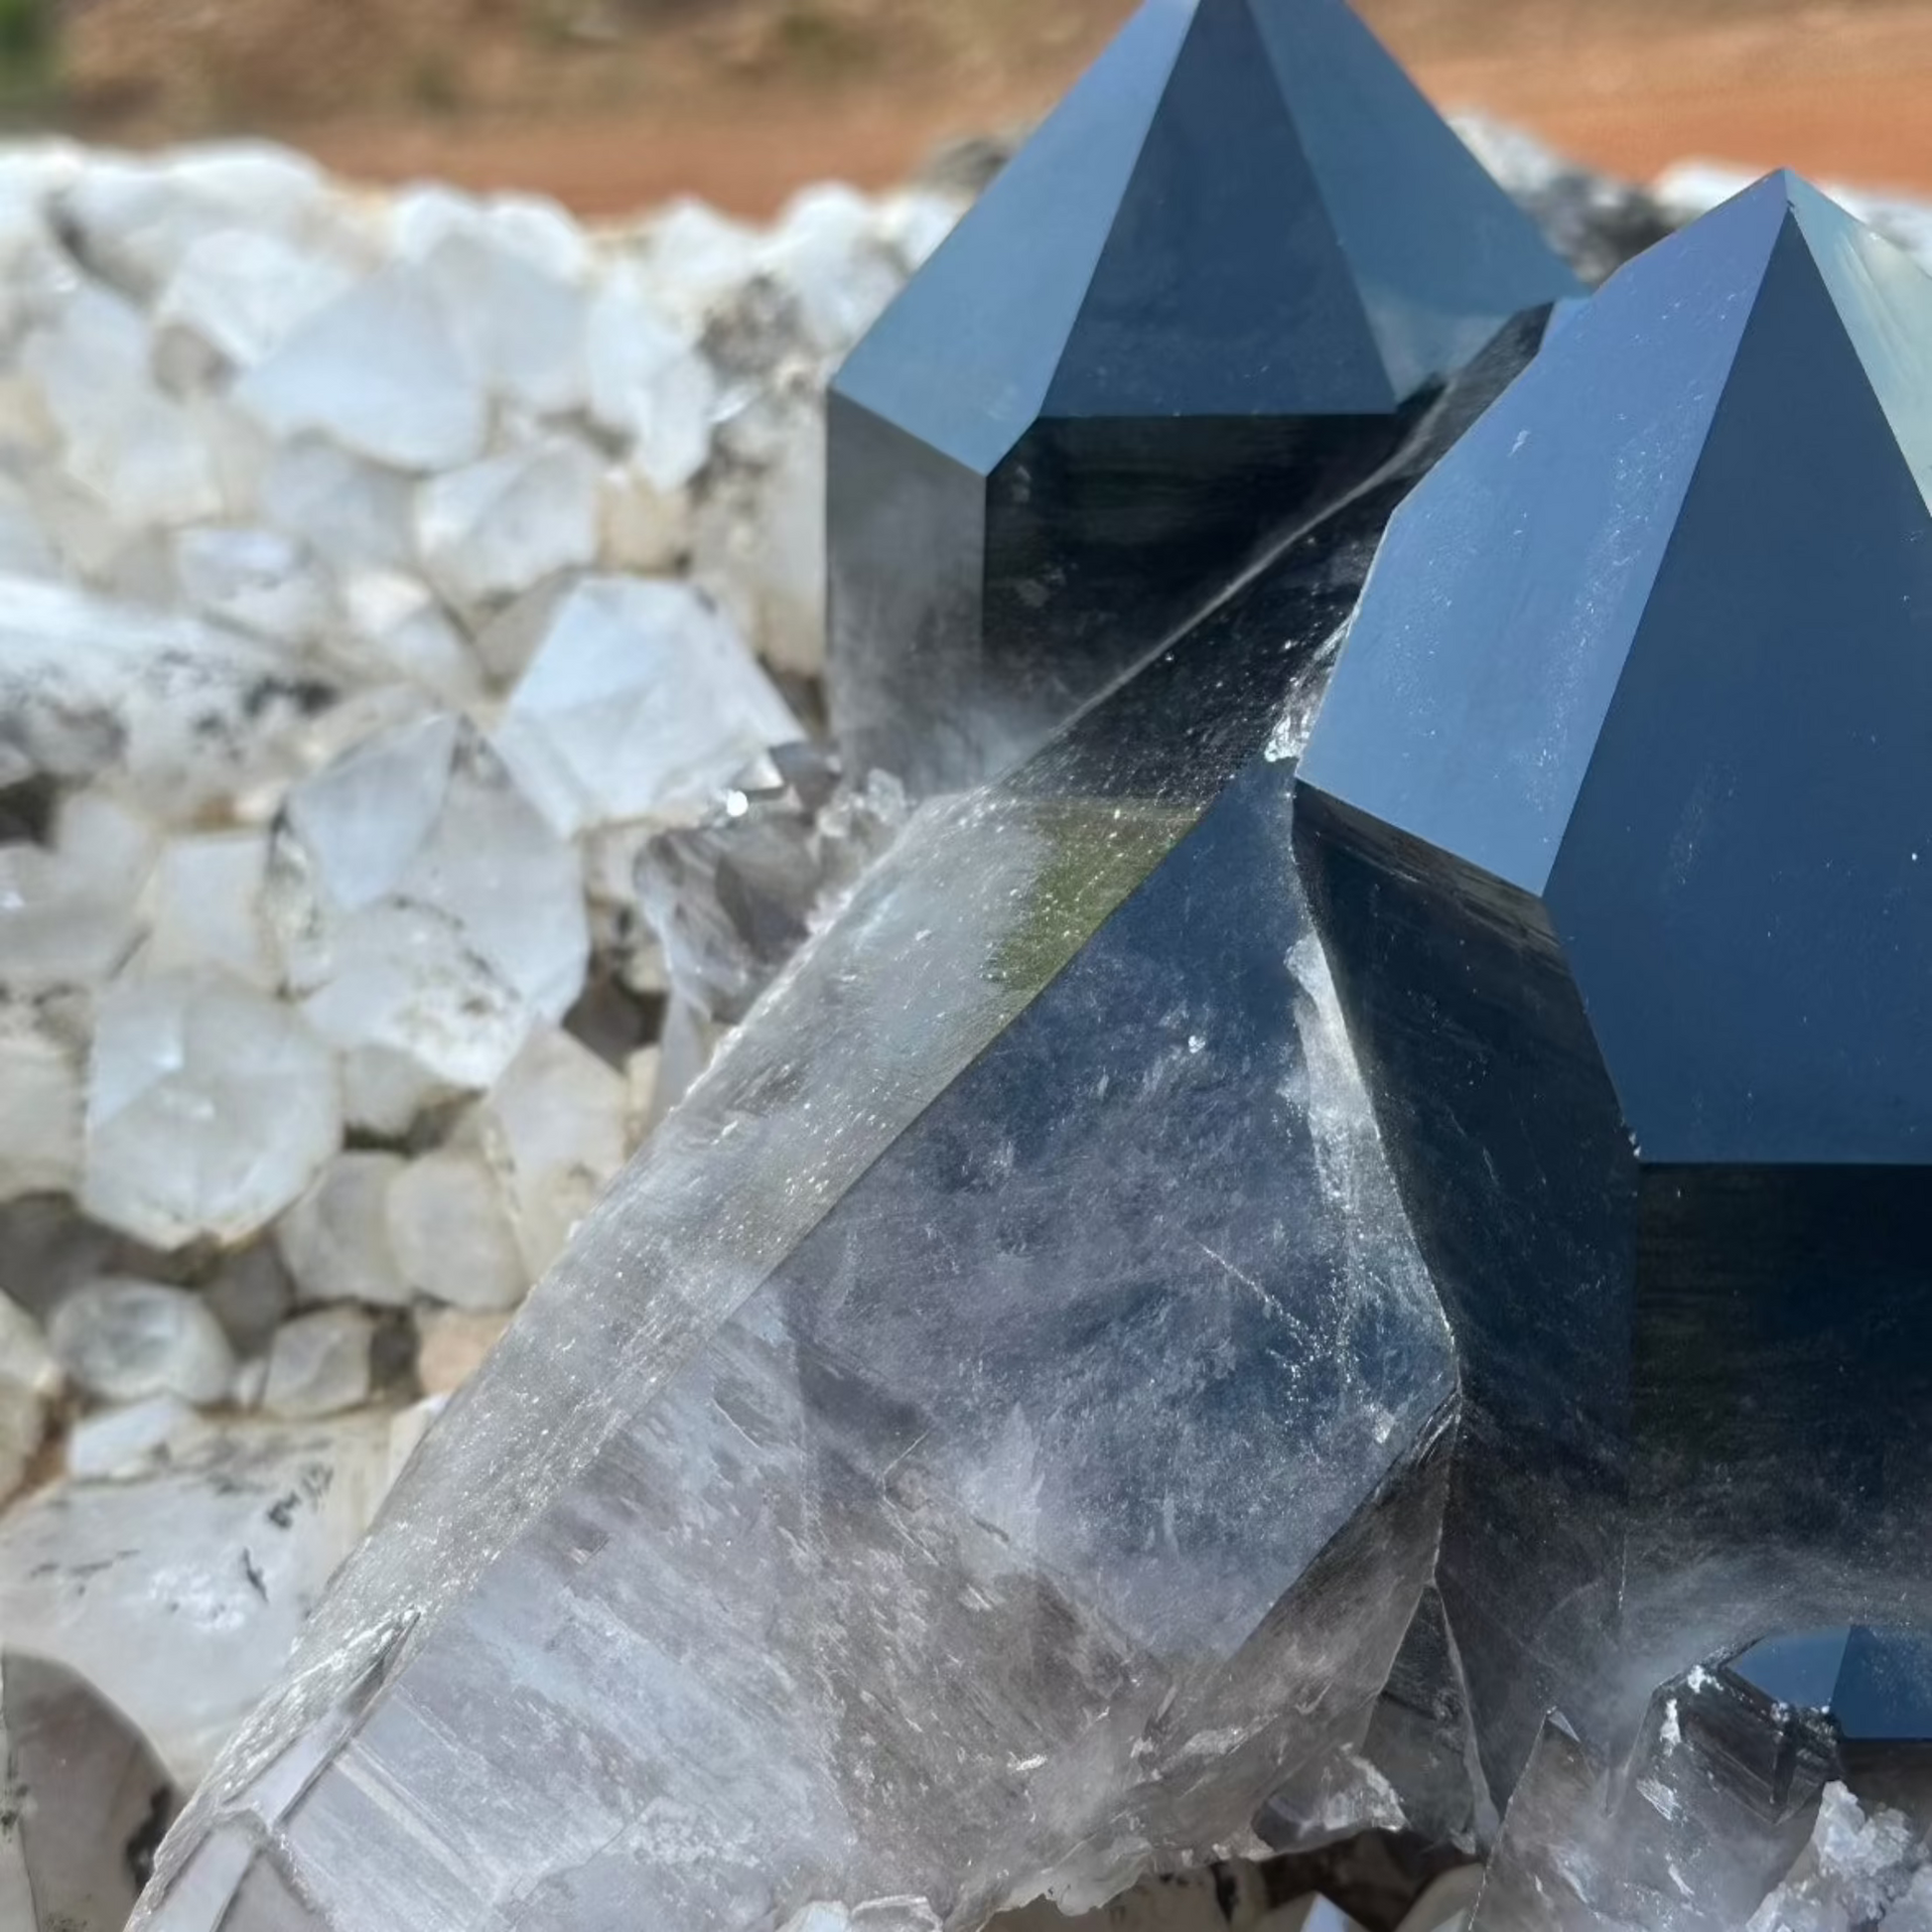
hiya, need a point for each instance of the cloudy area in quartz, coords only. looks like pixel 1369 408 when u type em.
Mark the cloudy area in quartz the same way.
pixel 402 598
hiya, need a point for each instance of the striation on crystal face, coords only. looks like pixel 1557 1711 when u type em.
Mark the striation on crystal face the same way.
pixel 1200 304
pixel 1617 834
pixel 991 1435
pixel 1686 1832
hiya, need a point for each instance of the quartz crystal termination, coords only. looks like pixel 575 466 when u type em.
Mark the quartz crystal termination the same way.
pixel 991 1437
pixel 1617 834
pixel 1207 298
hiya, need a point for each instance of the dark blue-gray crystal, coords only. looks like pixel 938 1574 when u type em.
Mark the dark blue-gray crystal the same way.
pixel 1201 303
pixel 1618 822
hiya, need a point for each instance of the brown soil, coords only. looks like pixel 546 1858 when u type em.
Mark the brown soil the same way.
pixel 612 104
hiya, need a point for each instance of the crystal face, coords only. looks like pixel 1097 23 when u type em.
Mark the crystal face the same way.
pixel 1193 309
pixel 1617 834
pixel 872 1447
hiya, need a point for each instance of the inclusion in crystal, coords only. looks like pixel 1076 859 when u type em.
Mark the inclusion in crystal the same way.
pixel 1199 305
pixel 1616 825
pixel 1001 1411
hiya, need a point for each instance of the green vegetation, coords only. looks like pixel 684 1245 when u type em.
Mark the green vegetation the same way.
pixel 30 45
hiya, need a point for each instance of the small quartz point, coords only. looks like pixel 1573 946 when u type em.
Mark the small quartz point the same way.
pixel 734 896
pixel 86 1802
pixel 1002 1414
pixel 1715 1801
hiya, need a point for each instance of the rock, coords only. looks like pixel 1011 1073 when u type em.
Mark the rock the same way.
pixel 31 1382
pixel 320 1364
pixel 827 254
pixel 454 1344
pixel 1857 1867
pixel 519 321
pixel 134 449
pixel 133 223
pixel 210 1108
pixel 234 298
pixel 177 1593
pixel 451 1234
pixel 401 630
pixel 87 1802
pixel 43 1051
pixel 377 372
pixel 336 1238
pixel 69 911
pixel 258 581
pixel 733 897
pixel 203 907
pixel 760 546
pixel 648 384
pixel 642 528
pixel 353 512
pixel 640 701
pixel 422 906
pixel 117 1445
pixel 555 1130
pixel 127 1340
pixel 181 714
pixel 251 1292
pixel 697 262
pixel 496 530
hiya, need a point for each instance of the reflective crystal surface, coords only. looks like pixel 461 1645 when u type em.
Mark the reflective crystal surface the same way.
pixel 1199 305
pixel 990 1438
pixel 1615 827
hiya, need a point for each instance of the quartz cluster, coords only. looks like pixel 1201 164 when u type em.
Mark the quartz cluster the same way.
pixel 1238 1298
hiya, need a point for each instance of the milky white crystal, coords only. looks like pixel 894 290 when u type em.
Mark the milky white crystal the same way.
pixel 204 907
pixel 177 1594
pixel 555 1129
pixel 124 1340
pixel 378 371
pixel 647 382
pixel 320 1364
pixel 259 581
pixel 237 294
pixel 641 700
pixel 423 906
pixel 43 1051
pixel 210 1107
pixel 451 1234
pixel 69 911
pixel 495 529
pixel 335 1240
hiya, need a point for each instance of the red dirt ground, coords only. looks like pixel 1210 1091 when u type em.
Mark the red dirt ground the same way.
pixel 742 100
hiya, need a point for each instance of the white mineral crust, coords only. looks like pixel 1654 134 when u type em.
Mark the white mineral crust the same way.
pixel 424 908
pixel 125 1340
pixel 210 1107
pixel 642 701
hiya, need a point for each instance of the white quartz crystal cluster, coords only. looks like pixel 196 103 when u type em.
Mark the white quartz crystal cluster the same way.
pixel 380 573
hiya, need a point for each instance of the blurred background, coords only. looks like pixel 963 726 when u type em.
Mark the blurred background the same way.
pixel 612 104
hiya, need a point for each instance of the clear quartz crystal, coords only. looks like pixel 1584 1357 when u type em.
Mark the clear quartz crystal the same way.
pixel 423 908
pixel 641 700
pixel 210 1108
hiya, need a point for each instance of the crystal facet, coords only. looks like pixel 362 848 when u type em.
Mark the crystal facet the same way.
pixel 1002 1412
pixel 1617 830
pixel 1195 308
